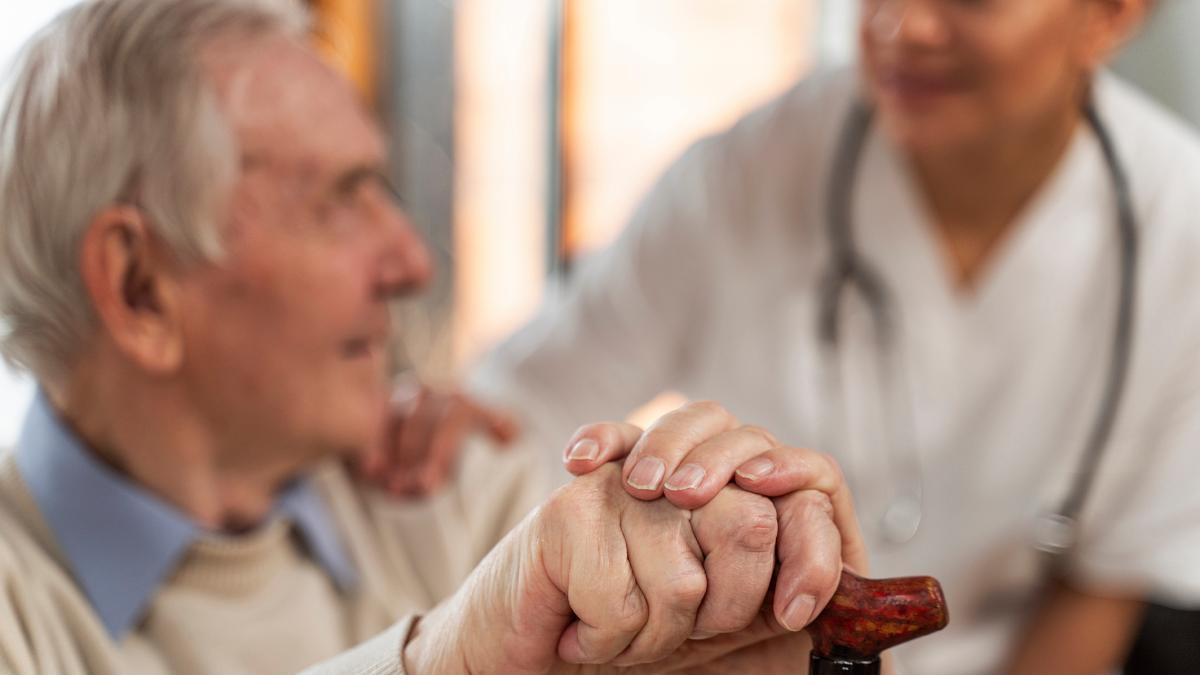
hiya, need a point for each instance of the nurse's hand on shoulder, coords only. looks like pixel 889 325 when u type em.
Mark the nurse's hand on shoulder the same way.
pixel 604 577
pixel 426 429
pixel 690 455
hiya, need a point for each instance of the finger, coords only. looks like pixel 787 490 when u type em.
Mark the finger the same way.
pixel 388 469
pixel 595 445
pixel 410 443
pixel 660 450
pixel 501 426
pixel 584 642
pixel 445 444
pixel 781 471
pixel 601 588
pixel 371 463
pixel 667 564
pixel 810 557
pixel 737 533
pixel 709 467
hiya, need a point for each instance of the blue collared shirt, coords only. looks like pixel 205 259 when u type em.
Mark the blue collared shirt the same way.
pixel 121 541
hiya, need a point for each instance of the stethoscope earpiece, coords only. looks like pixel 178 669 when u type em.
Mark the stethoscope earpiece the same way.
pixel 902 520
pixel 1054 533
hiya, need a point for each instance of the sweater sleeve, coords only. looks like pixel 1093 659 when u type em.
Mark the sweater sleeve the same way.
pixel 381 655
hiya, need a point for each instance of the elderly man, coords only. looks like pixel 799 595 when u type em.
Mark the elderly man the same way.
pixel 196 252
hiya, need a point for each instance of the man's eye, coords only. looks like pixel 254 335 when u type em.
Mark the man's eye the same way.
pixel 365 185
pixel 350 192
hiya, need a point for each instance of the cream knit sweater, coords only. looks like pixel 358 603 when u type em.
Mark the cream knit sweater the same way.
pixel 256 604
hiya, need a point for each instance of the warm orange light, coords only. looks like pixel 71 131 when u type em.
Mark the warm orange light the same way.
pixel 501 51
pixel 645 79
pixel 345 34
pixel 642 80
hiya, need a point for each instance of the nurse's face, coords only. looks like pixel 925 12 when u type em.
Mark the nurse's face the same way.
pixel 947 74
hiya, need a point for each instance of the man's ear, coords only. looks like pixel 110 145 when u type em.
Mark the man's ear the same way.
pixel 1110 25
pixel 130 277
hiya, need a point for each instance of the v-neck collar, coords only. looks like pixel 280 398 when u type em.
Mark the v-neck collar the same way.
pixel 897 235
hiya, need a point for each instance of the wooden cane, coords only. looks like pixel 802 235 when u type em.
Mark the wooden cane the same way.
pixel 867 616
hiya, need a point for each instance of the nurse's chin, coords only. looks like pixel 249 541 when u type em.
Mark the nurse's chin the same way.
pixel 929 133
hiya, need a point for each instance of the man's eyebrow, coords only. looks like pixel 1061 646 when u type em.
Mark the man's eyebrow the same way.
pixel 343 184
pixel 350 180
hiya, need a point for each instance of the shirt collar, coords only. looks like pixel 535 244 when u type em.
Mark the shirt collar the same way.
pixel 120 541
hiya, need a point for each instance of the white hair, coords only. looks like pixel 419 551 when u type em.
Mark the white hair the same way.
pixel 109 104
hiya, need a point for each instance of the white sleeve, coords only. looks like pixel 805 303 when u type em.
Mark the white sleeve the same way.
pixel 1144 529
pixel 620 333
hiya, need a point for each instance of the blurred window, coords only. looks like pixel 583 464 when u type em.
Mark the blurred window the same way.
pixel 639 80
pixel 643 80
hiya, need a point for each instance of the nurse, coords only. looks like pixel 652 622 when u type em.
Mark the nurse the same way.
pixel 968 270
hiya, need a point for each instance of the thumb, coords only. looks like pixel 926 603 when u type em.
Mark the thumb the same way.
pixel 507 617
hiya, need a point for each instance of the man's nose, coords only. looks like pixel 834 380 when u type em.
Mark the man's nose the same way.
pixel 909 23
pixel 405 263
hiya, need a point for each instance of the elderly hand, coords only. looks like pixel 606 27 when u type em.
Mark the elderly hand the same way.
pixel 690 455
pixel 425 433
pixel 597 576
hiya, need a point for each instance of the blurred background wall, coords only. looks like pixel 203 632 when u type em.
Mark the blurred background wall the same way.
pixel 524 131
pixel 1165 60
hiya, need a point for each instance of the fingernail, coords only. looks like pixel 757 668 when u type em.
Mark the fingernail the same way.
pixel 585 451
pixel 647 474
pixel 798 613
pixel 756 469
pixel 688 477
pixel 701 635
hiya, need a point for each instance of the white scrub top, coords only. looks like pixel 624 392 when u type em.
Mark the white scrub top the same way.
pixel 712 291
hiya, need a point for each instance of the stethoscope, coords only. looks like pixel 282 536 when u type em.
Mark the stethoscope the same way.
pixel 1055 530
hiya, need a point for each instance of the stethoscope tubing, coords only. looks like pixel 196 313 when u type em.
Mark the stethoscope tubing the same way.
pixel 849 271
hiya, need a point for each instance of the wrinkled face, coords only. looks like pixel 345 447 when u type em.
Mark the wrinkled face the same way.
pixel 948 73
pixel 285 336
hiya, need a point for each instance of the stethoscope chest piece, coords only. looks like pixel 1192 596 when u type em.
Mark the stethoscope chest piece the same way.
pixel 902 520
pixel 1054 533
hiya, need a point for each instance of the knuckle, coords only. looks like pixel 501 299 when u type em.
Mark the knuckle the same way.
pixel 561 505
pixel 767 437
pixel 632 614
pixel 757 525
pixel 823 572
pixel 686 589
pixel 814 501
pixel 757 535
pixel 710 408
pixel 833 468
pixel 580 500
